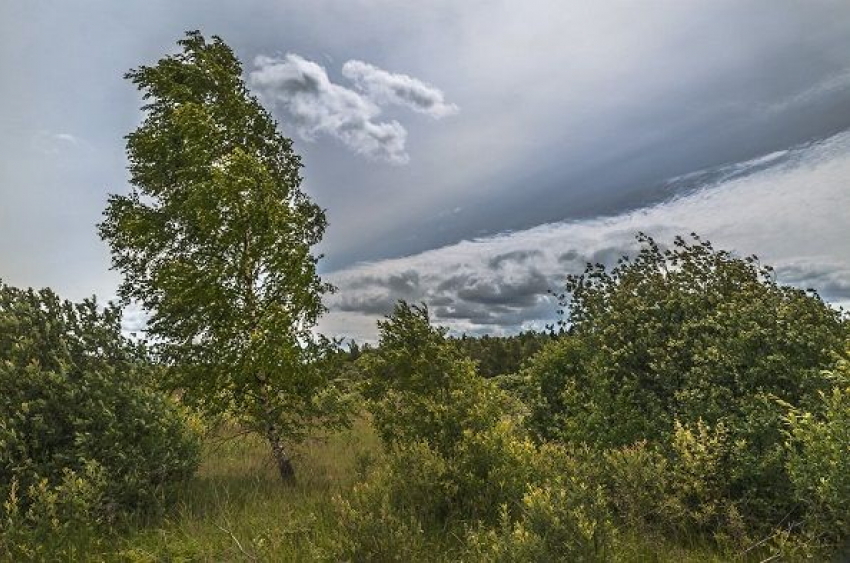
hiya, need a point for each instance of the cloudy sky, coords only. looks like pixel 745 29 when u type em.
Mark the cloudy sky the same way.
pixel 468 154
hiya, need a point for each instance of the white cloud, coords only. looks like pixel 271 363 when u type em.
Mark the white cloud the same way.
pixel 390 88
pixel 319 106
pixel 793 215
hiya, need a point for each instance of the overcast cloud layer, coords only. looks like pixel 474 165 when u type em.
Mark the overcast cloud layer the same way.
pixel 789 207
pixel 425 124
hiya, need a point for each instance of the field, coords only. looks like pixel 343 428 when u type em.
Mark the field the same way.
pixel 236 509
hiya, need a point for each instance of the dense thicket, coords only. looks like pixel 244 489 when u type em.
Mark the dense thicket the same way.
pixel 692 396
pixel 82 435
pixel 458 464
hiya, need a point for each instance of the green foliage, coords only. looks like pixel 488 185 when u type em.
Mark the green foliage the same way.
pixel 638 482
pixel 563 513
pixel 458 460
pixel 385 517
pixel 453 453
pixel 819 462
pixel 58 521
pixel 696 337
pixel 214 241
pixel 237 499
pixel 567 520
pixel 416 497
pixel 502 355
pixel 699 496
pixel 83 438
pixel 422 388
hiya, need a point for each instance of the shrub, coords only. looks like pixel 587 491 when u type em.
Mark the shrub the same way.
pixel 564 520
pixel 420 387
pixel 695 335
pixel 53 521
pixel 637 479
pixel 819 464
pixel 455 452
pixel 77 415
pixel 386 517
pixel 424 393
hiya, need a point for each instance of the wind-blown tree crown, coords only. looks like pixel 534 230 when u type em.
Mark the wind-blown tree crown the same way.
pixel 214 240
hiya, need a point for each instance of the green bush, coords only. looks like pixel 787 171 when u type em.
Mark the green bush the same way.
pixel 77 417
pixel 637 479
pixel 565 519
pixel 416 485
pixel 819 464
pixel 424 393
pixel 420 387
pixel 53 521
pixel 692 336
pixel 455 453
pixel 403 496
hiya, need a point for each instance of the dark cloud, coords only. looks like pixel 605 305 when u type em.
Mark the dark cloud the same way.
pixel 520 292
pixel 606 256
pixel 502 301
pixel 402 282
pixel 500 284
pixel 513 256
pixel 831 281
pixel 570 112
pixel 376 295
pixel 367 304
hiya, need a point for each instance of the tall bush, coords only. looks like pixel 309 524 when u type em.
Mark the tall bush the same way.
pixel 694 336
pixel 77 414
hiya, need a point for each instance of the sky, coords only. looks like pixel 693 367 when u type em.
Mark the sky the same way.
pixel 468 154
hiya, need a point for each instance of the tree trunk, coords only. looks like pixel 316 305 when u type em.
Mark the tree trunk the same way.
pixel 284 464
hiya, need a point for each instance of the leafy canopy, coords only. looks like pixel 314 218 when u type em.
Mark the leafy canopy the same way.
pixel 421 387
pixel 214 241
pixel 688 339
pixel 687 332
pixel 75 400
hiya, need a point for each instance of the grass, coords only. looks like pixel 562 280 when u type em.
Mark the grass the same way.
pixel 237 509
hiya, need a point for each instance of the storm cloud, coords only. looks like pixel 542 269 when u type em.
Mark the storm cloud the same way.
pixel 579 124
pixel 500 284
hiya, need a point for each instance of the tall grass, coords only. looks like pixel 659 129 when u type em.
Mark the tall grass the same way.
pixel 237 509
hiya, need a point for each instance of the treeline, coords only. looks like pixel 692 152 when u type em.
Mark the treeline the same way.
pixel 502 355
pixel 493 355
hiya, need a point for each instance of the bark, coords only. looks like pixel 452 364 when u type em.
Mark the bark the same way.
pixel 284 464
pixel 281 458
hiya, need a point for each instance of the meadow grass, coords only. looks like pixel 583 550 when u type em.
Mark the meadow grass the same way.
pixel 237 509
